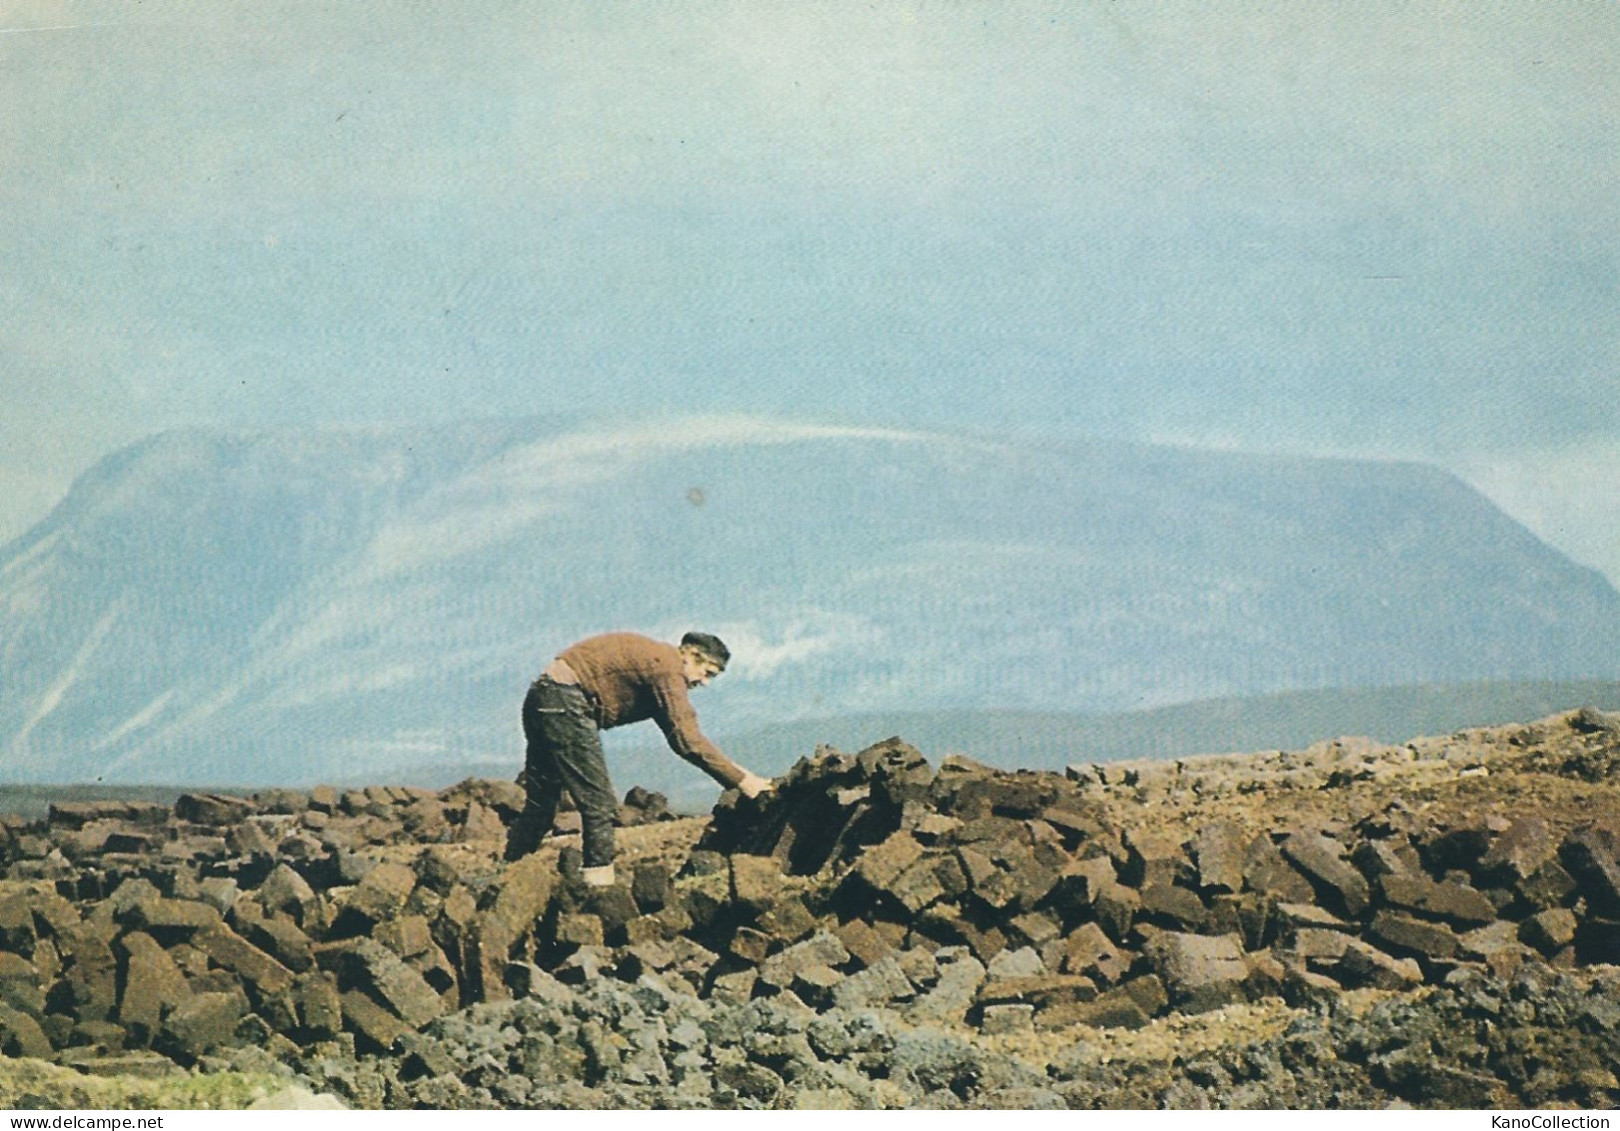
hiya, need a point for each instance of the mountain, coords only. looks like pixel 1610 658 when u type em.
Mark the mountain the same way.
pixel 295 607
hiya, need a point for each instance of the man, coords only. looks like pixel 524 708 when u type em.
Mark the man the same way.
pixel 608 681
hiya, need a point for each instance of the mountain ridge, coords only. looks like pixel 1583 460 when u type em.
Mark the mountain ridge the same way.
pixel 376 598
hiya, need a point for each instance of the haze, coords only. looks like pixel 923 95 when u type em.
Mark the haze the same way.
pixel 1375 230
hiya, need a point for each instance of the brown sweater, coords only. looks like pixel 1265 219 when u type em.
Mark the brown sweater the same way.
pixel 634 678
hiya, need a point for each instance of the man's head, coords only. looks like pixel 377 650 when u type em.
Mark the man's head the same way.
pixel 702 657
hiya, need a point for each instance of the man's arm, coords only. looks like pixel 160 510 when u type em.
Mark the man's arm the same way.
pixel 679 722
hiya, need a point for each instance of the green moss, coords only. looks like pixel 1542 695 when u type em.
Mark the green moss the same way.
pixel 27 1084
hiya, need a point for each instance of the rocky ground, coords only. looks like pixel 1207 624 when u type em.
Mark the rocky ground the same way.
pixel 1431 924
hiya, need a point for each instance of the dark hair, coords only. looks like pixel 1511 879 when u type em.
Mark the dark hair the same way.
pixel 711 646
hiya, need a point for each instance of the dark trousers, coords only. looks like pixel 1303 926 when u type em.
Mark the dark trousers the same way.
pixel 564 752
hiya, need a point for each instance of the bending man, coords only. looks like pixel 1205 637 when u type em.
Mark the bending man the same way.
pixel 608 681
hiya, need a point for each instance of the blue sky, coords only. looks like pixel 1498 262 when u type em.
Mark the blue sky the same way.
pixel 1381 229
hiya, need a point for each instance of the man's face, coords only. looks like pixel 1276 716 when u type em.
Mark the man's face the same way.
pixel 697 667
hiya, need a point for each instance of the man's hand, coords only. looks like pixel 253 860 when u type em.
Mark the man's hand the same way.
pixel 752 785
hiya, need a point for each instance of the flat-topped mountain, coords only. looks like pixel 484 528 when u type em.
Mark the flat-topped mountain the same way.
pixel 297 607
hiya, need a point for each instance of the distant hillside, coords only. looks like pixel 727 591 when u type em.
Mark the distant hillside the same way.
pixel 1005 739
pixel 35 801
pixel 1029 740
pixel 357 605
pixel 1049 741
